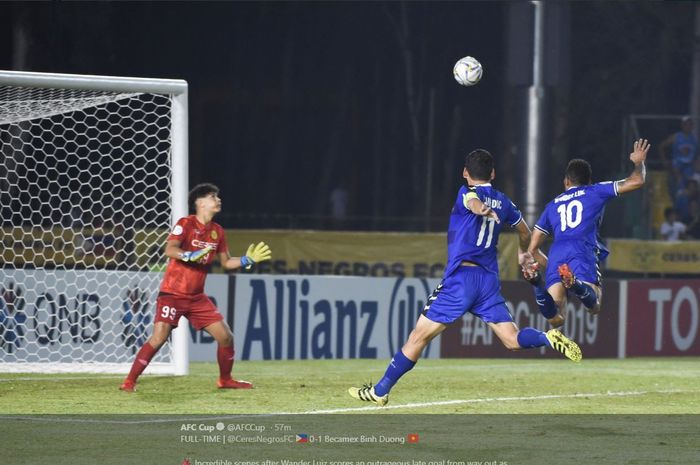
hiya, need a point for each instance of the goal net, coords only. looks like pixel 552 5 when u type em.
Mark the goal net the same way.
pixel 92 172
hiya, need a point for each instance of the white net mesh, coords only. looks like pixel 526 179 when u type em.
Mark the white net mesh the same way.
pixel 85 203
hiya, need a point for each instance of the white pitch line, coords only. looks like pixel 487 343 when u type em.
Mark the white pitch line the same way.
pixel 497 399
pixel 47 419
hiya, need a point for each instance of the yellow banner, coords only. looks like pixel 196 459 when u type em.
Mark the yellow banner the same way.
pixel 360 253
pixel 654 256
pixel 420 255
pixel 97 248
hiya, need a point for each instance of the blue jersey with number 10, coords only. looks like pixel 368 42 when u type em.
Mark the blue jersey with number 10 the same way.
pixel 474 238
pixel 576 214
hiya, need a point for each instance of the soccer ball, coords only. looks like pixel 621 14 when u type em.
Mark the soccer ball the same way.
pixel 467 71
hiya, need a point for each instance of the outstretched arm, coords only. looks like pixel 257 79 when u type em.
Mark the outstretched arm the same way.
pixel 255 253
pixel 638 176
pixel 534 248
pixel 229 262
pixel 523 231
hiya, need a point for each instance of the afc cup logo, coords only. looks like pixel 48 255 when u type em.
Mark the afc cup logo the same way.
pixel 407 301
pixel 213 235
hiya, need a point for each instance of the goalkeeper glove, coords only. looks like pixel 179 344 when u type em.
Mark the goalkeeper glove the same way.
pixel 254 254
pixel 195 256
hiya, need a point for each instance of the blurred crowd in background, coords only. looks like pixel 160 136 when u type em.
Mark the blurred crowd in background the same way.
pixel 679 153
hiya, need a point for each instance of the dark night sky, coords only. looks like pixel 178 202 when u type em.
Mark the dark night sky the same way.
pixel 289 99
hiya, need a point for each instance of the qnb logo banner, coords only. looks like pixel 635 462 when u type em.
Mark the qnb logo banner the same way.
pixel 317 317
pixel 75 315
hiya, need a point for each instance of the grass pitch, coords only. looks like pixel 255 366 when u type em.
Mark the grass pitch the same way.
pixel 70 419
pixel 463 386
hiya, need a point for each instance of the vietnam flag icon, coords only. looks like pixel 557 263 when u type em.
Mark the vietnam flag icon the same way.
pixel 413 438
pixel 302 437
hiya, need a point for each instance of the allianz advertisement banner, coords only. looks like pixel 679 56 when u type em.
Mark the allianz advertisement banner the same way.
pixel 316 317
pixel 106 316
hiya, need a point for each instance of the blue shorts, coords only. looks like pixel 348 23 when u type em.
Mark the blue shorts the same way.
pixel 581 258
pixel 469 289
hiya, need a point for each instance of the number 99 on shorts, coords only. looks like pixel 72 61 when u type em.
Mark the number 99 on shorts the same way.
pixel 167 312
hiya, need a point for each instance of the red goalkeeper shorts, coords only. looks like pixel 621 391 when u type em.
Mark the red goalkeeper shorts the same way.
pixel 198 309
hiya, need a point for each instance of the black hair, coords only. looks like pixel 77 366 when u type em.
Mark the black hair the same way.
pixel 579 172
pixel 199 191
pixel 479 164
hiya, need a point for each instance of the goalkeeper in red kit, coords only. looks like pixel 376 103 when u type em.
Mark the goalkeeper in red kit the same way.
pixel 192 245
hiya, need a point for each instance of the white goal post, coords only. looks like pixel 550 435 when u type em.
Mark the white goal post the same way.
pixel 93 173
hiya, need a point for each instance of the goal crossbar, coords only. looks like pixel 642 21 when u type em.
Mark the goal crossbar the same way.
pixel 89 82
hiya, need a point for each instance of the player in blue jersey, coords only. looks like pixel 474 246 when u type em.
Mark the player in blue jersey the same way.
pixel 684 148
pixel 471 282
pixel 573 218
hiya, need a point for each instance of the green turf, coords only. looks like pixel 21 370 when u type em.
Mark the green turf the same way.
pixel 92 433
pixel 649 385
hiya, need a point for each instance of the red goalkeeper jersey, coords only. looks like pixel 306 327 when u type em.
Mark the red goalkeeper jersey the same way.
pixel 183 278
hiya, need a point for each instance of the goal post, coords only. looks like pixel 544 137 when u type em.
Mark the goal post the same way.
pixel 93 174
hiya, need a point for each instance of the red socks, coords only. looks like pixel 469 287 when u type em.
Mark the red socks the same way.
pixel 224 355
pixel 143 358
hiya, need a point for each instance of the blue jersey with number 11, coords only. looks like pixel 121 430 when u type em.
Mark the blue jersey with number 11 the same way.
pixel 472 237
